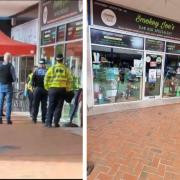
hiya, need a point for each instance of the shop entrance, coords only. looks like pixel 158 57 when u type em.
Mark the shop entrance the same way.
pixel 153 75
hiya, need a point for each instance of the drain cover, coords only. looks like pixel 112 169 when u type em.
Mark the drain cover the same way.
pixel 90 167
pixel 5 148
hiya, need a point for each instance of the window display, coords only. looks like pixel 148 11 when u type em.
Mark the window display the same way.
pixel 117 74
pixel 172 76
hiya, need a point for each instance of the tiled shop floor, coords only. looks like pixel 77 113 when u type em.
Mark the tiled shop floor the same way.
pixel 141 144
pixel 30 150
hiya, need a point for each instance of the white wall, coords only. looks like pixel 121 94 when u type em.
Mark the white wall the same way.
pixel 27 32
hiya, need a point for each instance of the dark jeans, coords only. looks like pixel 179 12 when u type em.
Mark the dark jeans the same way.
pixel 30 97
pixel 8 96
pixel 56 102
pixel 39 96
pixel 75 105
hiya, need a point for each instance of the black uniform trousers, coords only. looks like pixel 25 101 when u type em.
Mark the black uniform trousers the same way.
pixel 39 96
pixel 56 102
pixel 30 97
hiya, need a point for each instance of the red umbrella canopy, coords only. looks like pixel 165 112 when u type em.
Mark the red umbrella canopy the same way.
pixel 16 48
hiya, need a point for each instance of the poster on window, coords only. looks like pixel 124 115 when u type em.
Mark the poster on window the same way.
pixel 138 67
pixel 152 75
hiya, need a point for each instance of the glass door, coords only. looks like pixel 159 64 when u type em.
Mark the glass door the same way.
pixel 153 75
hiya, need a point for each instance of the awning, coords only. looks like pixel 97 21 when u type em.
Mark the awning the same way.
pixel 16 48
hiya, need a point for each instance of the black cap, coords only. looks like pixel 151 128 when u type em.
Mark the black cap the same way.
pixel 42 61
pixel 59 57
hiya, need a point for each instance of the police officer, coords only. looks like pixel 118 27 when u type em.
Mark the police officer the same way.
pixel 29 90
pixel 39 92
pixel 58 80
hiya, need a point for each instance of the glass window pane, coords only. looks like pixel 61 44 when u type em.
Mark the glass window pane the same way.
pixel 74 61
pixel 60 49
pixel 74 30
pixel 61 33
pixel 172 76
pixel 48 36
pixel 48 54
pixel 117 74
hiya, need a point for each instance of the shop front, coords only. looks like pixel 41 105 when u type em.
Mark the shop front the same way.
pixel 61 33
pixel 134 59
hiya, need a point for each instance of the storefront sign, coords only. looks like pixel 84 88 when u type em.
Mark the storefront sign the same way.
pixel 172 48
pixel 53 10
pixel 155 45
pixel 48 36
pixel 105 14
pixel 116 39
pixel 74 30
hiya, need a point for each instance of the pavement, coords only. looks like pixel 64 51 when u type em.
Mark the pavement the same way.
pixel 31 151
pixel 141 144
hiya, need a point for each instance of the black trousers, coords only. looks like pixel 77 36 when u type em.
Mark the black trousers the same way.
pixel 39 96
pixel 30 97
pixel 56 102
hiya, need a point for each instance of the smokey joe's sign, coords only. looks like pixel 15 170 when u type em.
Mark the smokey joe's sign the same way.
pixel 57 10
pixel 120 18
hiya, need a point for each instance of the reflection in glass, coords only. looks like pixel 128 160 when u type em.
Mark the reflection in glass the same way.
pixel 117 74
pixel 172 76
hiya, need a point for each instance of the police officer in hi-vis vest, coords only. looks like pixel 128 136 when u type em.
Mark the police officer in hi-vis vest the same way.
pixel 39 92
pixel 58 81
pixel 29 90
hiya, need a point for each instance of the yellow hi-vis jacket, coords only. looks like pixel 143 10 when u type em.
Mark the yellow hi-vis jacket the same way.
pixel 28 85
pixel 58 76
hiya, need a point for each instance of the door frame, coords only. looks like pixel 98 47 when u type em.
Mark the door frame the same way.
pixel 162 75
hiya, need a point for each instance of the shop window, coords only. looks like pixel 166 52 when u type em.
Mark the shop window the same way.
pixel 60 49
pixel 74 30
pixel 74 61
pixel 172 76
pixel 117 74
pixel 48 54
pixel 48 36
pixel 61 33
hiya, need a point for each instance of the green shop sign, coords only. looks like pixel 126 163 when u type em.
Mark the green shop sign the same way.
pixel 57 10
pixel 108 15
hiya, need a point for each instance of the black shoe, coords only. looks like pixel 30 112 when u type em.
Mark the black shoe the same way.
pixel 1 122
pixel 34 121
pixel 9 122
pixel 57 125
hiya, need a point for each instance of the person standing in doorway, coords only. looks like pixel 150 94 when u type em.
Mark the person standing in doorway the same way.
pixel 7 77
pixel 57 81
pixel 39 92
